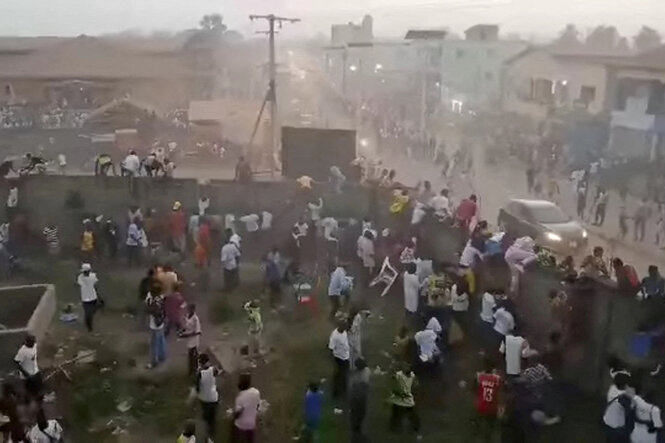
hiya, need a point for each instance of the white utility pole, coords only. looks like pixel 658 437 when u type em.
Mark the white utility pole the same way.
pixel 272 86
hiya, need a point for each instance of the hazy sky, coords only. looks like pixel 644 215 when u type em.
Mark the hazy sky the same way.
pixel 391 17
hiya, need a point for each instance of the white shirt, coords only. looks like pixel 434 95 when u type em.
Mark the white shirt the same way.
pixel 470 256
pixel 229 256
pixel 330 227
pixel 132 163
pixel 434 325
pixel 426 341
pixel 236 240
pixel 615 416
pixel 204 204
pixel 251 222
pixel 12 198
pixel 302 228
pixel 229 221
pixel 648 413
pixel 248 402
pixel 27 358
pixel 339 345
pixel 365 251
pixel 51 434
pixel 266 221
pixel 503 321
pixel 208 386
pixel 487 308
pixel 418 214
pixel 315 210
pixel 411 289
pixel 87 285
pixel 441 205
pixel 512 347
pixel 193 326
pixel 460 301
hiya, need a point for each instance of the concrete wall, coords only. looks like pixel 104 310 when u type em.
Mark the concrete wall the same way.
pixel 42 199
pixel 32 308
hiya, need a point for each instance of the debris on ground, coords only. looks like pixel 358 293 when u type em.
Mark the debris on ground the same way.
pixel 264 406
pixel 124 406
pixel 85 356
pixel 50 397
pixel 379 371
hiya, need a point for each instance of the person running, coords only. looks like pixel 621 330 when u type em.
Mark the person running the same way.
pixel 402 401
pixel 619 401
pixel 648 421
pixel 487 399
pixel 87 281
pixel 192 332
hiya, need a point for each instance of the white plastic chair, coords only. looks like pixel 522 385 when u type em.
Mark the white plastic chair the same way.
pixel 386 275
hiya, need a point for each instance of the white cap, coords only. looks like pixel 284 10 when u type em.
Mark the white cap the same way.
pixel 86 267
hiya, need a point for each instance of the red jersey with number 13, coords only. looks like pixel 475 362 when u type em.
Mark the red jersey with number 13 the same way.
pixel 487 400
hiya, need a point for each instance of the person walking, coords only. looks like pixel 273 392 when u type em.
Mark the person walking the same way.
pixel 402 401
pixel 339 286
pixel 341 352
pixel 313 411
pixel 155 304
pixel 487 400
pixel 229 258
pixel 87 281
pixel 619 402
pixel 178 229
pixel 26 362
pixel 642 214
pixel 601 207
pixel 245 411
pixel 206 388
pixel 648 421
pixel 358 392
pixel 134 242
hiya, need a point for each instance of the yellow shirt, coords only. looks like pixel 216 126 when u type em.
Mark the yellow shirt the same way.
pixel 88 241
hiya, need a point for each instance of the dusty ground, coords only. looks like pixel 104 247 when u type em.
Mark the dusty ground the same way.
pixel 297 338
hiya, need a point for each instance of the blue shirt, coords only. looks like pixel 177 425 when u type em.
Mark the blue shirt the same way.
pixel 653 286
pixel 313 407
pixel 338 282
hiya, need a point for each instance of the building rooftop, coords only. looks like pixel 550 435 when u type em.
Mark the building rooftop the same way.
pixel 86 57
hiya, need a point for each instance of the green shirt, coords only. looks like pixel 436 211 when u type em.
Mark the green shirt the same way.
pixel 401 394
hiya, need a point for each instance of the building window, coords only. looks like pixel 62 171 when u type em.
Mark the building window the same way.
pixel 459 54
pixel 542 90
pixel 587 94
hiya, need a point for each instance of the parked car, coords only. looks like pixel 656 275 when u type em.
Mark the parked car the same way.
pixel 546 223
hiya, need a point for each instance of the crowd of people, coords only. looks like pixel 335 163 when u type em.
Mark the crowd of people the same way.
pixel 518 385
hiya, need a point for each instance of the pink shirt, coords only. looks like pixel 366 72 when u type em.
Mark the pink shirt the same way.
pixel 248 402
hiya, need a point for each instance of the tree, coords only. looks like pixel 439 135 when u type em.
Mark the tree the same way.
pixel 623 45
pixel 647 38
pixel 212 22
pixel 603 38
pixel 569 37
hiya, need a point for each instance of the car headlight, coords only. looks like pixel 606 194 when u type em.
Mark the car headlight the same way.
pixel 553 236
pixel 585 234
